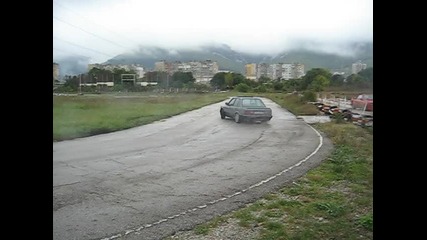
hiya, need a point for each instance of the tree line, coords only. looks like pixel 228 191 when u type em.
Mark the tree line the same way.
pixel 316 80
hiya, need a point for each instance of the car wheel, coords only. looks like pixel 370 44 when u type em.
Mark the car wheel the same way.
pixel 221 112
pixel 237 118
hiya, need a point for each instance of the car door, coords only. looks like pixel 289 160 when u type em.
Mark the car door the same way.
pixel 237 106
pixel 229 107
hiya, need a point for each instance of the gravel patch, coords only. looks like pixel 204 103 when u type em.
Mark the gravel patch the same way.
pixel 227 230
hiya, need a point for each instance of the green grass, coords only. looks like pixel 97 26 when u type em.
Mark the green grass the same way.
pixel 204 229
pixel 245 216
pixel 81 116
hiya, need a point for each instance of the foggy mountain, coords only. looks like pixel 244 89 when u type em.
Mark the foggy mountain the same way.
pixel 72 65
pixel 228 59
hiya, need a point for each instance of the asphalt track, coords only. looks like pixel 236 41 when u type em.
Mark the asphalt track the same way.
pixel 151 181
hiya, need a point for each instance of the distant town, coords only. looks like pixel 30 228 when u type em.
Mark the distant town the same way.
pixel 202 71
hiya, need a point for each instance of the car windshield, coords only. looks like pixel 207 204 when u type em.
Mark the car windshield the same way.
pixel 252 103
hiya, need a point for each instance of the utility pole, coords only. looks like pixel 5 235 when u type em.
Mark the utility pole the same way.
pixel 167 80
pixel 80 85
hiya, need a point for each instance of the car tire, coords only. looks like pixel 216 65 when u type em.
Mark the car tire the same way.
pixel 237 118
pixel 221 112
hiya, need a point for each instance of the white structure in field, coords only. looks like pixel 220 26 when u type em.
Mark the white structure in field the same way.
pixel 128 78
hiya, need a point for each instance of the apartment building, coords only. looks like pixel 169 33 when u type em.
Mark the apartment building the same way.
pixel 203 71
pixel 276 71
pixel 262 70
pixel 298 70
pixel 250 71
pixel 55 72
pixel 287 71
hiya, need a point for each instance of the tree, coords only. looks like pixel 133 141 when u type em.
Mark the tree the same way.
pixel 250 83
pixel 292 85
pixel 319 83
pixel 260 89
pixel 309 96
pixel 367 74
pixel 218 81
pixel 179 79
pixel 229 80
pixel 278 86
pixel 311 75
pixel 238 78
pixel 72 82
pixel 200 86
pixel 241 87
pixel 337 80
pixel 357 81
pixel 264 79
pixel 97 74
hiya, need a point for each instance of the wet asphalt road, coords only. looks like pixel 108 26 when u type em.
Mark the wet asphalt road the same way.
pixel 151 181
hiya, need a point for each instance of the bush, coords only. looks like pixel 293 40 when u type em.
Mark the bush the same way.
pixel 242 87
pixel 260 89
pixel 309 96
pixel 278 86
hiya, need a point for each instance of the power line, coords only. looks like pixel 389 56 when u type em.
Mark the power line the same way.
pixel 84 47
pixel 89 32
pixel 65 51
pixel 74 12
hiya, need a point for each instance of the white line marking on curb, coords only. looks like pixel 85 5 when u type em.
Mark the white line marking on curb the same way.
pixel 136 231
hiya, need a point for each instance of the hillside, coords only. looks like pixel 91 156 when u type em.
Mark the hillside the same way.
pixel 229 59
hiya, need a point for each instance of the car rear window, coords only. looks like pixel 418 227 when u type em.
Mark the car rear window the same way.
pixel 252 103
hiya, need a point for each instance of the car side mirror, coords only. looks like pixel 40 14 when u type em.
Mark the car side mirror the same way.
pixel 228 104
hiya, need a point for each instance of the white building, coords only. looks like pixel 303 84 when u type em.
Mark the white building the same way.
pixel 55 71
pixel 287 71
pixel 357 67
pixel 203 71
pixel 139 72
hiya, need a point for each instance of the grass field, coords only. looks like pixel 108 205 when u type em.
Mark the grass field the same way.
pixel 81 115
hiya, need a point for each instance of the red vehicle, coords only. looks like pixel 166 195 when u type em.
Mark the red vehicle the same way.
pixel 364 102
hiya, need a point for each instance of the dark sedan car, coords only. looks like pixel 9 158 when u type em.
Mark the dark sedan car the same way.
pixel 245 108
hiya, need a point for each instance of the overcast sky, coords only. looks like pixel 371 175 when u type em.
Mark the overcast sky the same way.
pixel 101 29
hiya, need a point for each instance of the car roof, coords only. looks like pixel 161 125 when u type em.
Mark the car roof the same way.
pixel 245 97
